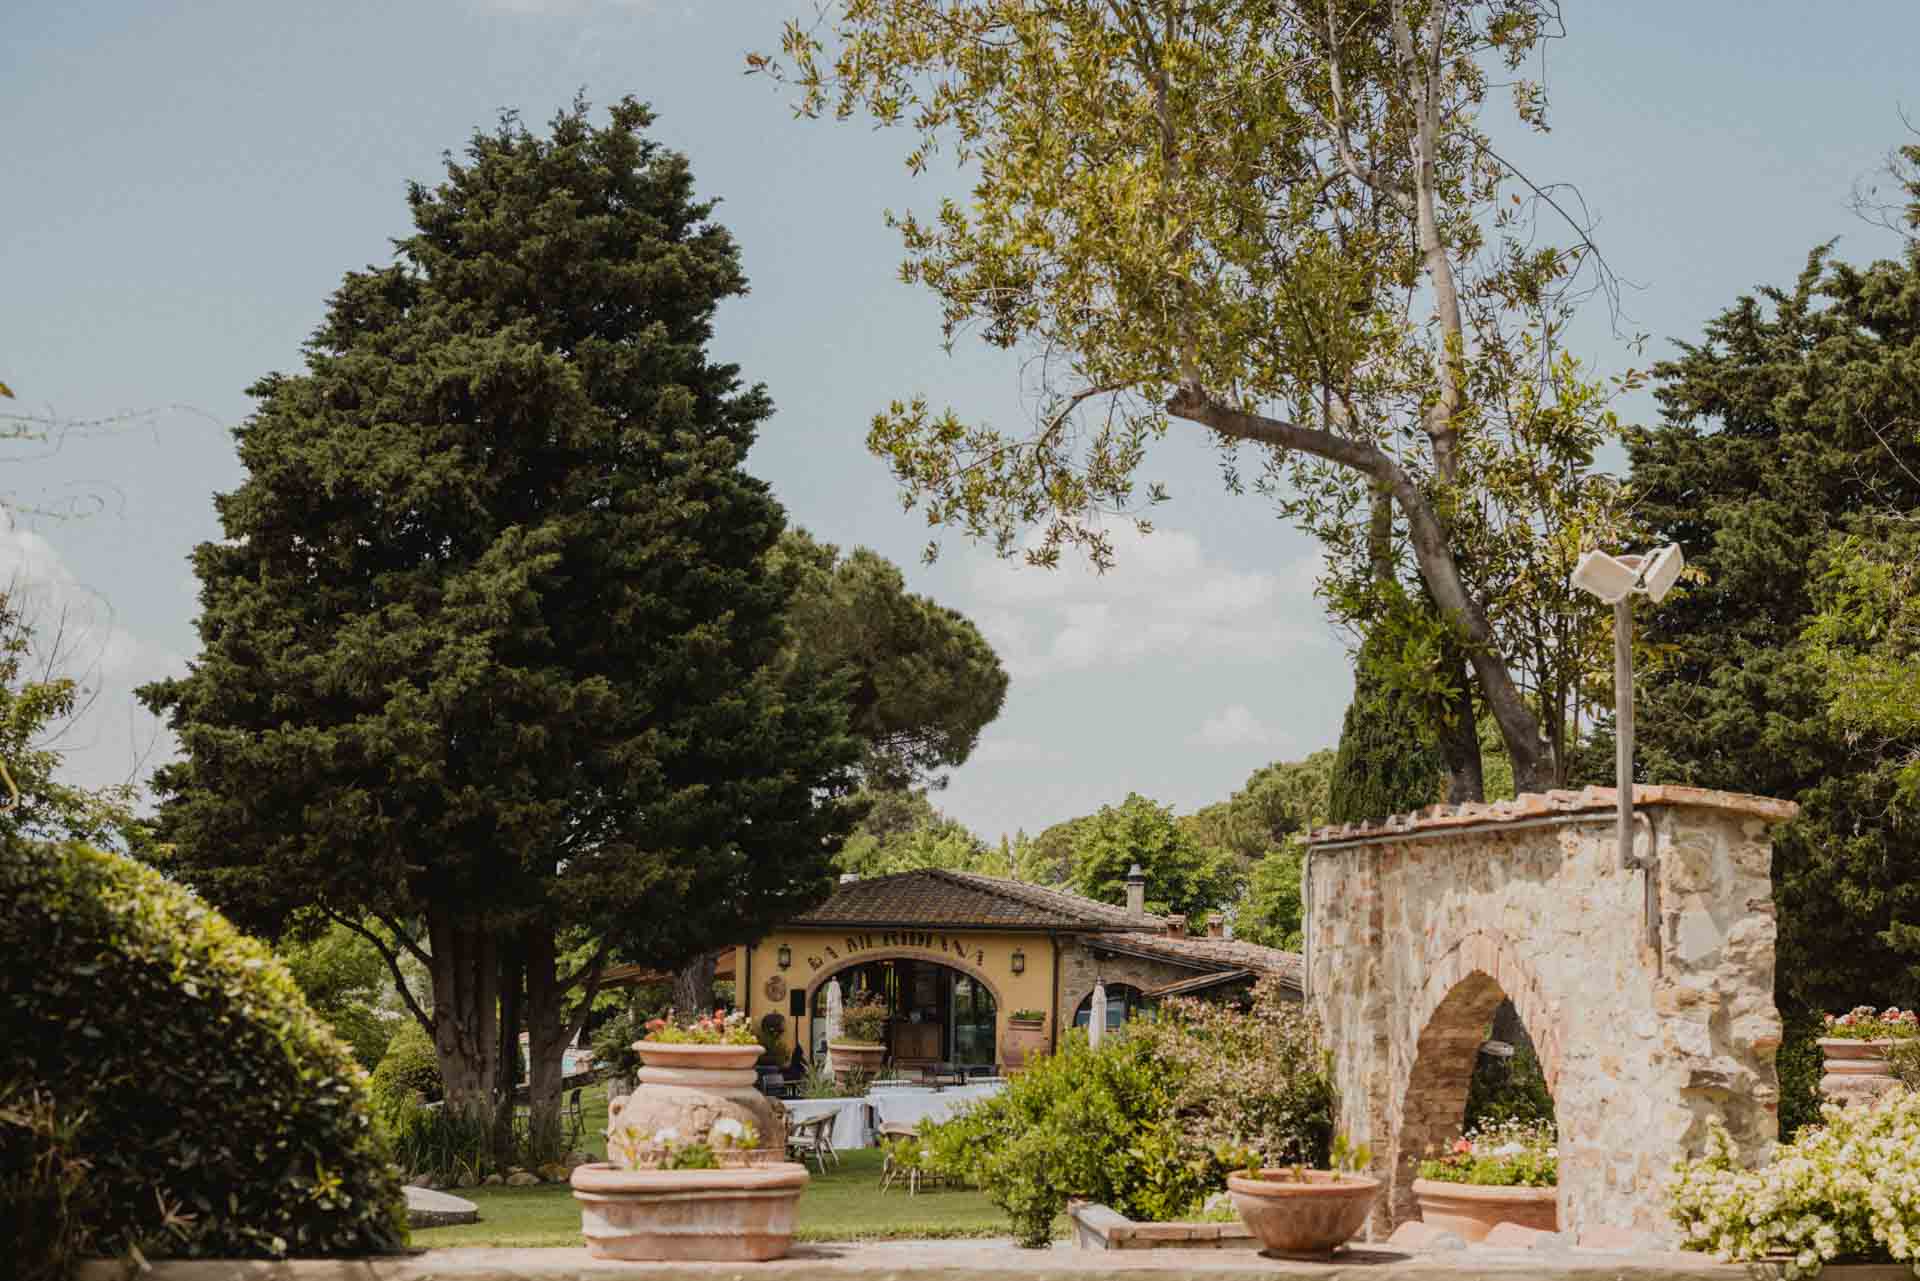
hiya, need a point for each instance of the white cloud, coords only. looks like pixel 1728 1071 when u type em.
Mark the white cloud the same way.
pixel 1163 597
pixel 1235 726
pixel 112 738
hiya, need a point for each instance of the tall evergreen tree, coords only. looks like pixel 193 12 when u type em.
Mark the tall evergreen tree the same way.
pixel 1386 762
pixel 1782 430
pixel 490 643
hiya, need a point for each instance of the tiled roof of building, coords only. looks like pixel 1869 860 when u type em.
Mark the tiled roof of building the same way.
pixel 1212 955
pixel 936 899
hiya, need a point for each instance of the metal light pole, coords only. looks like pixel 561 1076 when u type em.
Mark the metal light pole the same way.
pixel 1616 580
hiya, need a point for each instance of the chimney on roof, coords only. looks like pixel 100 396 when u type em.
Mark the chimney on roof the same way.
pixel 1136 892
pixel 1216 926
pixel 1176 926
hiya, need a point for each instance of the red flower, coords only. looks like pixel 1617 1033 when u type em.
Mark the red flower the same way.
pixel 1462 1148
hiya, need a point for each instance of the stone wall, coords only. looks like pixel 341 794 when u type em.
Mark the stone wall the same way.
pixel 1081 966
pixel 1418 928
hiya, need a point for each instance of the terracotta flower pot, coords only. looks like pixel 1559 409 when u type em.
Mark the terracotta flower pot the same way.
pixel 682 1057
pixel 857 1056
pixel 732 1216
pixel 1025 1039
pixel 1855 1071
pixel 1313 1218
pixel 1470 1210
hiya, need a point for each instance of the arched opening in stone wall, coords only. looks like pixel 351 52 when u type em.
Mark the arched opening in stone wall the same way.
pixel 1475 1068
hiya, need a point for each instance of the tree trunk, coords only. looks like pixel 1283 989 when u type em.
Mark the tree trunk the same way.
pixel 512 1016
pixel 693 986
pixel 1459 738
pixel 546 1043
pixel 466 989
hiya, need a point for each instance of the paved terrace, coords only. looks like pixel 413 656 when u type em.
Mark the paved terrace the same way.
pixel 974 1261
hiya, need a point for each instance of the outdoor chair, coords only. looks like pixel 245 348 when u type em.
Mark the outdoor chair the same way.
pixel 814 1138
pixel 911 1172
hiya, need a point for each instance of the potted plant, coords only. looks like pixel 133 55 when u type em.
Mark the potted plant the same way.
pixel 1026 1037
pixel 1504 1173
pixel 1854 1051
pixel 860 1046
pixel 1302 1212
pixel 717 1042
pixel 665 1197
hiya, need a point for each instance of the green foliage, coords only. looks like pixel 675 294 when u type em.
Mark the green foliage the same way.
pixel 1783 427
pixel 45 1197
pixel 408 1072
pixel 1278 802
pixel 1509 1089
pixel 864 1022
pixel 1798 1065
pixel 1047 859
pixel 1387 762
pixel 1149 1122
pixel 923 682
pixel 344 979
pixel 903 832
pixel 1505 1154
pixel 217 1115
pixel 1271 913
pixel 453 1145
pixel 1182 876
pixel 1865 640
pixel 614 1041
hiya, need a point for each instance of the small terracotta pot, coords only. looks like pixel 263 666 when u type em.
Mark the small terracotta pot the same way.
pixel 1470 1210
pixel 1311 1219
pixel 1025 1039
pixel 733 1216
pixel 1855 1071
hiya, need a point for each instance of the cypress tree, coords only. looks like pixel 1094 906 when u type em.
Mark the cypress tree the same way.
pixel 490 647
pixel 1386 763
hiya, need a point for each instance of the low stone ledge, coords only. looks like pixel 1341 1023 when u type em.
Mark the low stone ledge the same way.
pixel 1534 807
pixel 973 1261
pixel 1098 1227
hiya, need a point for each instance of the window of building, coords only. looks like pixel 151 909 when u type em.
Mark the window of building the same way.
pixel 1124 1002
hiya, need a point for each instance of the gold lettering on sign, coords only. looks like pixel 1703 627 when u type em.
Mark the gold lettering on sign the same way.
pixel 813 962
pixel 831 953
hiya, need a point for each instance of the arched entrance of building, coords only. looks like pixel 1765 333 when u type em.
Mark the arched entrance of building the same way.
pixel 936 1012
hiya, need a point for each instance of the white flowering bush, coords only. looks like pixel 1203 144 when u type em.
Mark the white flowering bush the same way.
pixel 1846 1190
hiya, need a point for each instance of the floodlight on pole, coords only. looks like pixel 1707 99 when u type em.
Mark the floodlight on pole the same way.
pixel 1616 580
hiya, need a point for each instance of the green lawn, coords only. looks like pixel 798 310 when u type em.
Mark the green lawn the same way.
pixel 843 1205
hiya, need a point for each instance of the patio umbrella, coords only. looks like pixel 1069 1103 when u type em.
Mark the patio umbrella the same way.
pixel 834 1004
pixel 1097 1018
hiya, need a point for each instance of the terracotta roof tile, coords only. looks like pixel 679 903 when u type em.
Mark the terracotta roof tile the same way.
pixel 1213 954
pixel 936 899
pixel 1533 805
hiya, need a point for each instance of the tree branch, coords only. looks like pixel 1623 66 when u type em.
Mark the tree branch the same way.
pixel 393 964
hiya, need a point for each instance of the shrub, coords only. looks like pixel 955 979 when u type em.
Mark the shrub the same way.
pixel 219 1116
pixel 1798 1064
pixel 718 1028
pixel 1841 1191
pixel 1509 1089
pixel 44 1193
pixel 613 1050
pixel 409 1071
pixel 1506 1154
pixel 864 1023
pixel 1151 1121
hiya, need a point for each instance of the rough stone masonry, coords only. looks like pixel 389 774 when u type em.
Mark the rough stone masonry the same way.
pixel 1418 927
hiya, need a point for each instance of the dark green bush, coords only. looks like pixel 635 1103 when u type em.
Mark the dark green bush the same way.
pixel 220 1117
pixel 1511 1089
pixel 1798 1066
pixel 408 1071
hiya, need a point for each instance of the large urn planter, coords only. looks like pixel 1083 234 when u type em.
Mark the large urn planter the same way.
pixel 857 1056
pixel 1025 1039
pixel 1855 1071
pixel 1310 1217
pixel 686 1088
pixel 730 1215
pixel 1471 1210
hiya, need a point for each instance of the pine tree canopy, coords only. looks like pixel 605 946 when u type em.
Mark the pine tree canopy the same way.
pixel 493 624
pixel 1783 432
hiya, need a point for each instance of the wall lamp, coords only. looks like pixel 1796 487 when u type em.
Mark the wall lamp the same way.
pixel 785 956
pixel 1019 961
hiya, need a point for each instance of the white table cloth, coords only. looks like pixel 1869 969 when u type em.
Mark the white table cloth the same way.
pixel 911 1107
pixel 849 1118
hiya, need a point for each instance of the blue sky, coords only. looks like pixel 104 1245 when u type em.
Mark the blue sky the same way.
pixel 187 182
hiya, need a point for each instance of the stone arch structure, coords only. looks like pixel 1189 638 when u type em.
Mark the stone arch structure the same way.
pixel 1419 927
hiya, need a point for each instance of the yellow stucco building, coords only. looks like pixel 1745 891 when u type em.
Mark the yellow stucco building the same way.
pixel 955 955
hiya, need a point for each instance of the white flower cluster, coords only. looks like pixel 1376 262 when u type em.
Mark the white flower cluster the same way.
pixel 1849 1189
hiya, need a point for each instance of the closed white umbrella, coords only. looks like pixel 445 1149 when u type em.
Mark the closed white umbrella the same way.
pixel 834 1005
pixel 1097 1017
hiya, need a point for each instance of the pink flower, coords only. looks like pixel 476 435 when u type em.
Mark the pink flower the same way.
pixel 1462 1147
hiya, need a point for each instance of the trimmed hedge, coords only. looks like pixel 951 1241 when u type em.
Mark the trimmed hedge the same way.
pixel 219 1115
pixel 409 1072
